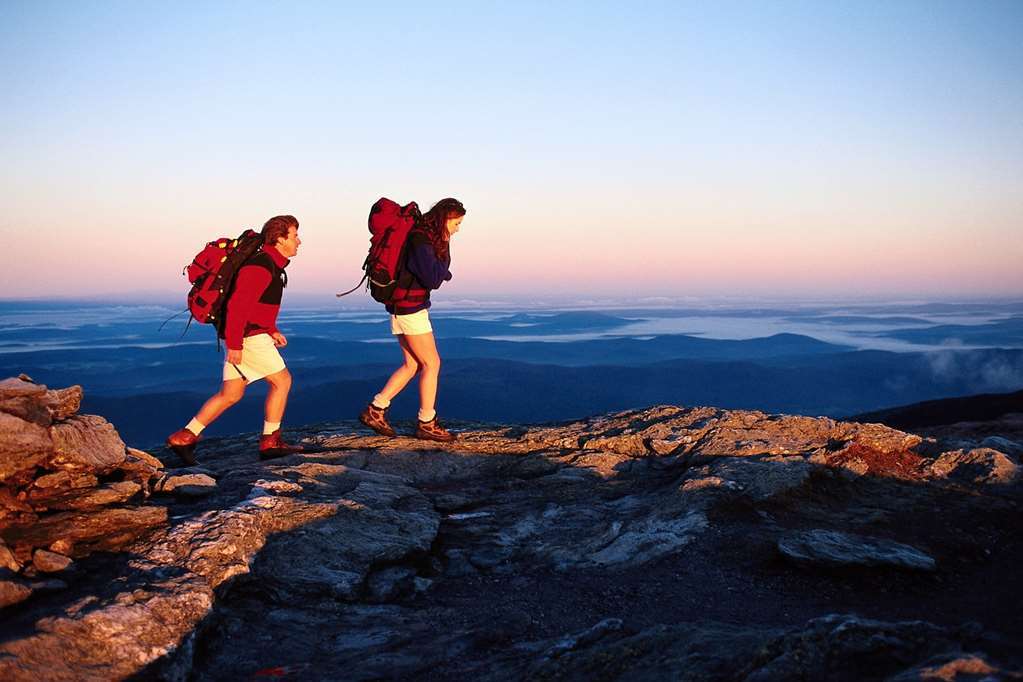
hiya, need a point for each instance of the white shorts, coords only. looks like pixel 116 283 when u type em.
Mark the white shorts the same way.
pixel 415 323
pixel 260 358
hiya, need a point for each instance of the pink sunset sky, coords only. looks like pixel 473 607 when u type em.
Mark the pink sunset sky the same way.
pixel 771 149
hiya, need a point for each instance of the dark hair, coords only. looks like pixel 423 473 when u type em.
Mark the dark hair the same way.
pixel 434 223
pixel 278 228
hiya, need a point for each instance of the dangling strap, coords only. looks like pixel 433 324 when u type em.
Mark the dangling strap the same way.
pixel 355 287
pixel 189 324
pixel 171 318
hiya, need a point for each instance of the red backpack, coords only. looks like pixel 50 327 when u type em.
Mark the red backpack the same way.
pixel 212 273
pixel 389 228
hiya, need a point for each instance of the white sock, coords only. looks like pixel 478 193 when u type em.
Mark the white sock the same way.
pixel 270 427
pixel 195 426
pixel 380 402
pixel 427 415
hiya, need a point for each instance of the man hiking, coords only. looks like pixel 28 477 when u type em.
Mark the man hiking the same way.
pixel 252 339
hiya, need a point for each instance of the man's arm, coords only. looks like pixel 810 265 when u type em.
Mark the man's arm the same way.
pixel 252 281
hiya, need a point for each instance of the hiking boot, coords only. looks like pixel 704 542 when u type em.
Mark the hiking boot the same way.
pixel 182 443
pixel 376 419
pixel 431 430
pixel 271 446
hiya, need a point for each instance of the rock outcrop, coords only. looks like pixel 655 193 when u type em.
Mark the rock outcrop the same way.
pixel 665 543
pixel 68 487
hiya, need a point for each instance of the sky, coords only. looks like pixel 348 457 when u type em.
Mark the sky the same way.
pixel 678 149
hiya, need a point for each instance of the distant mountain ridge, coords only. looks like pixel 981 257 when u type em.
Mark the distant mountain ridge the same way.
pixel 983 407
pixel 505 391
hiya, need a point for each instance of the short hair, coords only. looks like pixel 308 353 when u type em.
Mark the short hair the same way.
pixel 277 228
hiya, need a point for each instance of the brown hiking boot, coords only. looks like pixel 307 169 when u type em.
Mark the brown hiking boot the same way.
pixel 431 430
pixel 182 443
pixel 376 419
pixel 271 446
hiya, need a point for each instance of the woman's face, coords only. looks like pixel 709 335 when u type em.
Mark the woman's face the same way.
pixel 452 224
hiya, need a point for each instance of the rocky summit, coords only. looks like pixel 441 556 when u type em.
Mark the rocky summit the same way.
pixel 663 543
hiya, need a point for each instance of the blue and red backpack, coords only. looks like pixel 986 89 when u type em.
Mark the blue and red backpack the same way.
pixel 212 273
pixel 386 278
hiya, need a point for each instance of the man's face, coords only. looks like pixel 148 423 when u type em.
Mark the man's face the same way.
pixel 288 246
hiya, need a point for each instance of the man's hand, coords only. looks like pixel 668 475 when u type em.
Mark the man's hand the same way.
pixel 279 339
pixel 234 357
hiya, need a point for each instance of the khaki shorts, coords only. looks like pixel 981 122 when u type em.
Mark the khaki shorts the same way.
pixel 416 323
pixel 260 358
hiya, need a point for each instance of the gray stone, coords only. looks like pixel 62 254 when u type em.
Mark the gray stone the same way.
pixel 391 583
pixel 20 388
pixel 63 403
pixel 87 443
pixel 23 447
pixel 59 479
pixel 979 466
pixel 841 550
pixel 956 665
pixel 7 559
pixel 33 402
pixel 458 564
pixel 13 592
pixel 144 456
pixel 186 485
pixel 26 407
pixel 50 562
pixel 141 468
pixel 756 479
pixel 109 528
pixel 111 493
pixel 839 647
pixel 1009 447
pixel 62 546
pixel 131 626
pixel 649 539
pixel 581 639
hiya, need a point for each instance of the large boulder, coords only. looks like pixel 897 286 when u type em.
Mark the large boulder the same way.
pixel 832 549
pixel 977 466
pixel 85 532
pixel 63 403
pixel 24 445
pixel 87 442
pixel 24 400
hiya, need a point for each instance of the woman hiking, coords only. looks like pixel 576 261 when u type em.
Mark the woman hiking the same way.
pixel 426 267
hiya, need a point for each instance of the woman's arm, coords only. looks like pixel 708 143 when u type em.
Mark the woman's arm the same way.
pixel 424 264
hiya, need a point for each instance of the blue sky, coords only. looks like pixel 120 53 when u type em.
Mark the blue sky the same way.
pixel 783 148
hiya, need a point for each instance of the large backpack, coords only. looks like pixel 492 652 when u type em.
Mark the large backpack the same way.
pixel 389 228
pixel 212 274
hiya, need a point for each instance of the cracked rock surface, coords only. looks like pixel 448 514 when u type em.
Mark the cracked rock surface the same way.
pixel 664 543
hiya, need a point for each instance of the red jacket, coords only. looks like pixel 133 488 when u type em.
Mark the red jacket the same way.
pixel 256 299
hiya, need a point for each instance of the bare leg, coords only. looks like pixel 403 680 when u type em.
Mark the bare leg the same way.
pixel 424 348
pixel 231 391
pixel 403 374
pixel 277 396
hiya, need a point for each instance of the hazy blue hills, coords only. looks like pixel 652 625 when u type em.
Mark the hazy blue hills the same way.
pixel 517 392
pixel 1001 332
pixel 521 366
pixel 133 368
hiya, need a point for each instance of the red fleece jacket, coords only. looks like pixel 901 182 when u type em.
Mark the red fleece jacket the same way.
pixel 253 307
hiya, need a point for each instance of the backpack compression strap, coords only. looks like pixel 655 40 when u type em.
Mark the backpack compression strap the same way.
pixel 364 277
